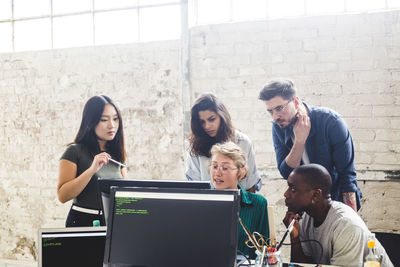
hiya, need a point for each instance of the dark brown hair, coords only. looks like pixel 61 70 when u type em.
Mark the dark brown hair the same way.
pixel 283 87
pixel 200 141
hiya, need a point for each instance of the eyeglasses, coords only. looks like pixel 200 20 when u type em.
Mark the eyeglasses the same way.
pixel 223 169
pixel 278 109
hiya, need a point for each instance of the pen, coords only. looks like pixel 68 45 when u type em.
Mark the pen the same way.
pixel 262 255
pixel 117 162
pixel 289 229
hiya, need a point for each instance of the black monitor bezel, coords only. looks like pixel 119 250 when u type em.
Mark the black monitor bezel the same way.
pixel 234 221
pixel 104 185
pixel 67 231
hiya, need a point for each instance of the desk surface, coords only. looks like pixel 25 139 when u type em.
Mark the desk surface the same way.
pixel 312 265
pixel 288 264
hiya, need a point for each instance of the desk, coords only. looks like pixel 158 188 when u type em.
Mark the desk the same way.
pixel 308 265
pixel 252 264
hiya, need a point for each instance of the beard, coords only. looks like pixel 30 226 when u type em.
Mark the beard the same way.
pixel 292 121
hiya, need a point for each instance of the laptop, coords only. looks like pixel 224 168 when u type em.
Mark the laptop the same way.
pixel 74 246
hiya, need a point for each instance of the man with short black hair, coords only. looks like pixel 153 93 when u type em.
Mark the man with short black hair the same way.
pixel 304 134
pixel 324 223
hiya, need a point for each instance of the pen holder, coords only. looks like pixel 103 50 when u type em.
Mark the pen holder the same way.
pixel 271 259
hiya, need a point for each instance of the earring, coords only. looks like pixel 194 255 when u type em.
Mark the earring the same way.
pixel 312 201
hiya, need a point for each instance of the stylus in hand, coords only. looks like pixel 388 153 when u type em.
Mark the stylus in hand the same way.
pixel 117 162
pixel 288 230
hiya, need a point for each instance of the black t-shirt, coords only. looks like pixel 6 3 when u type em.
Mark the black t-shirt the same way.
pixel 89 197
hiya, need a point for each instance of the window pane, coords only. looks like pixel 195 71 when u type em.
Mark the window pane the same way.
pixel 160 23
pixel 393 3
pixel 157 2
pixel 32 34
pixel 29 8
pixel 363 5
pixel 211 11
pixel 104 4
pixel 192 12
pixel 68 6
pixel 5 9
pixel 285 8
pixel 249 9
pixel 71 31
pixel 116 27
pixel 5 37
pixel 317 7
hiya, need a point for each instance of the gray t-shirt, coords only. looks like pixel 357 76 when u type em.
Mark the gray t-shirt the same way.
pixel 343 236
pixel 89 197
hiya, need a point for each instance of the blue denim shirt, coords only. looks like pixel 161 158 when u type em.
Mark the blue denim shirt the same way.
pixel 328 144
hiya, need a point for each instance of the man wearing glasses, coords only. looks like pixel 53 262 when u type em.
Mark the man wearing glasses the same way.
pixel 304 134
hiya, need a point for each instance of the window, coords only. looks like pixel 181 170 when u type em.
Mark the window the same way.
pixel 160 23
pixel 29 8
pixel 249 9
pixel 107 4
pixel 32 34
pixel 286 8
pixel 45 24
pixel 5 37
pixel 70 6
pixel 211 11
pixel 72 31
pixel 5 10
pixel 364 5
pixel 393 3
pixel 116 27
pixel 318 7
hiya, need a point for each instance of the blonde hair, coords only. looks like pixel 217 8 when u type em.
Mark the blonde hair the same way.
pixel 235 153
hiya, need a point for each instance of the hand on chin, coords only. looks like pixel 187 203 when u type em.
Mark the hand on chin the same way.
pixel 292 209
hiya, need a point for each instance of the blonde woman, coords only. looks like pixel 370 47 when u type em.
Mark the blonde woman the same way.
pixel 227 168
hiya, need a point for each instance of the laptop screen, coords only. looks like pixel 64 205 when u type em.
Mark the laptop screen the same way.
pixel 77 246
pixel 172 227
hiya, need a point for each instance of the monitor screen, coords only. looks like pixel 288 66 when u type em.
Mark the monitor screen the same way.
pixel 76 246
pixel 172 227
pixel 105 184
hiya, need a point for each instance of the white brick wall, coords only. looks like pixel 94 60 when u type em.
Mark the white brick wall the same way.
pixel 42 96
pixel 349 63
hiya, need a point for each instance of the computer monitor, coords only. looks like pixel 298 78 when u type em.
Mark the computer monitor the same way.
pixel 75 246
pixel 170 227
pixel 105 184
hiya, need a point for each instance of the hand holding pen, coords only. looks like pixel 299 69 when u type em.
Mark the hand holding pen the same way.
pixel 292 227
pixel 102 159
pixel 117 162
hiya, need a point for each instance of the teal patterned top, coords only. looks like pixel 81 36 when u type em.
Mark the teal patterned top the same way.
pixel 254 215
